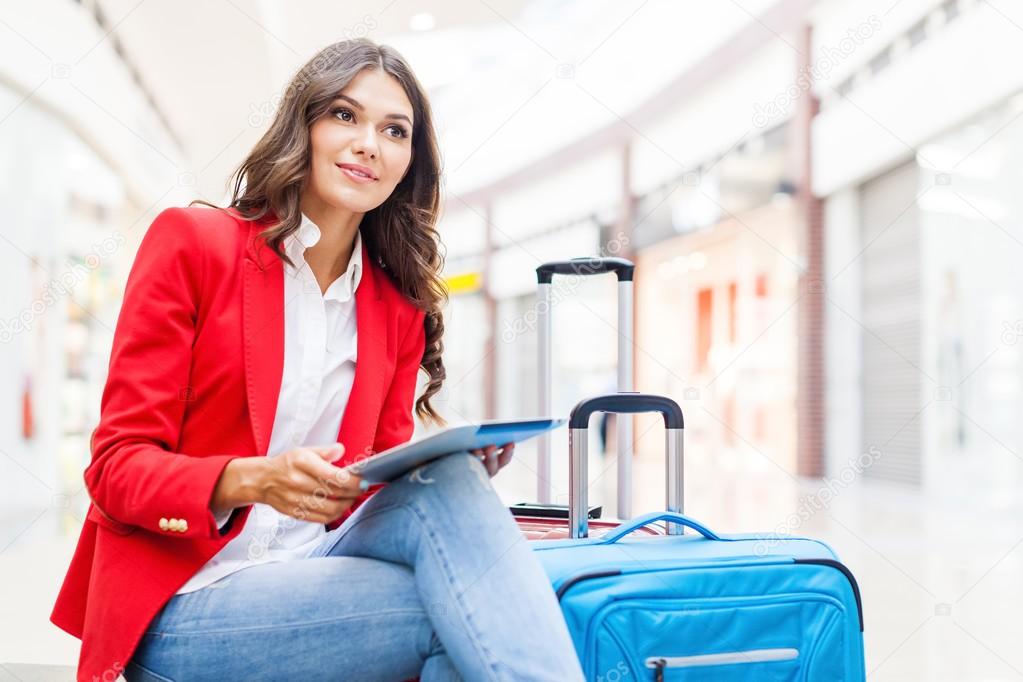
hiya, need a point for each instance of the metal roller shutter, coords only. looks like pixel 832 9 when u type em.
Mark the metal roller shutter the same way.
pixel 892 380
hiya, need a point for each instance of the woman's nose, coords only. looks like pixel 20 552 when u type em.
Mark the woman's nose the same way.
pixel 366 142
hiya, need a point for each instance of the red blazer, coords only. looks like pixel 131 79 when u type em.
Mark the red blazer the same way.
pixel 195 372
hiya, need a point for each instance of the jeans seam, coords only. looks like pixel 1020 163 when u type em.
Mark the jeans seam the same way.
pixel 304 624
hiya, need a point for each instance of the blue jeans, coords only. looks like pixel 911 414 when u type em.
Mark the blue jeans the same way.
pixel 430 577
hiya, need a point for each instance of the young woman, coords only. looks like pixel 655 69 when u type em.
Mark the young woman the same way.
pixel 222 541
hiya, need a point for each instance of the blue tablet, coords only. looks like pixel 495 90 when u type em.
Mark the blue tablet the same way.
pixel 390 464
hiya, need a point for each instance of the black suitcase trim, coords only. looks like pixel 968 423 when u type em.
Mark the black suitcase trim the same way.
pixel 576 579
pixel 847 573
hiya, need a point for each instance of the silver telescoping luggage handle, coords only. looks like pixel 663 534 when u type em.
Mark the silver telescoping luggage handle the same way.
pixel 629 403
pixel 623 270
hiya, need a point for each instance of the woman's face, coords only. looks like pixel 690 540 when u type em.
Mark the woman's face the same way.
pixel 368 126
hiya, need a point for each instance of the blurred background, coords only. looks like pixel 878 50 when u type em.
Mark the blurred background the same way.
pixel 822 199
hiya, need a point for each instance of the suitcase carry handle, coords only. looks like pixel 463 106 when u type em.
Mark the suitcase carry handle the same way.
pixel 619 532
pixel 585 265
pixel 628 403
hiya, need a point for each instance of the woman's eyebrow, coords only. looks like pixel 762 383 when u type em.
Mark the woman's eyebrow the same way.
pixel 362 108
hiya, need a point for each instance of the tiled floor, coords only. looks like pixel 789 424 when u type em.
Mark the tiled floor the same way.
pixel 29 672
pixel 942 582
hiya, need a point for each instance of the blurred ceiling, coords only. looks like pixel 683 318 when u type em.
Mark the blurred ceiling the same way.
pixel 213 68
pixel 510 81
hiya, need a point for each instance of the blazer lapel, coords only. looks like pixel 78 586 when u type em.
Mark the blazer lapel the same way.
pixel 359 422
pixel 263 323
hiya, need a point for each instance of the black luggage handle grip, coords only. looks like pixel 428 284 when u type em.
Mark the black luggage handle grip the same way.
pixel 586 265
pixel 626 403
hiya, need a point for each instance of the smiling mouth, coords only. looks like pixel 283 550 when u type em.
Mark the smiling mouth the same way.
pixel 356 175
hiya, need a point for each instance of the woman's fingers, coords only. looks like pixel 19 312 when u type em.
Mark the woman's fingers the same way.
pixel 485 455
pixel 319 504
pixel 493 460
pixel 340 482
pixel 305 486
pixel 321 510
pixel 505 455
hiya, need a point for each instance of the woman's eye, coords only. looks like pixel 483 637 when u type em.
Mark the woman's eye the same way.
pixel 399 132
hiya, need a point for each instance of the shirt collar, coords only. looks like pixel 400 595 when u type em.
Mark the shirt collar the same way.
pixel 306 236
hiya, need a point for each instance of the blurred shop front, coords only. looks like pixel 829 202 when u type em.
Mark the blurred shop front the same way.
pixel 972 326
pixel 62 205
pixel 505 233
pixel 495 239
pixel 465 318
pixel 79 187
pixel 697 186
pixel 923 220
pixel 716 285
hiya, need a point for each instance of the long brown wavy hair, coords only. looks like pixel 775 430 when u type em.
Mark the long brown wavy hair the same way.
pixel 400 234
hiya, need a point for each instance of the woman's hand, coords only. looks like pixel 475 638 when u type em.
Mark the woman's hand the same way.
pixel 495 462
pixel 302 483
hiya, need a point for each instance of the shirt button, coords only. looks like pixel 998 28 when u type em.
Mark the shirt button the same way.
pixel 312 287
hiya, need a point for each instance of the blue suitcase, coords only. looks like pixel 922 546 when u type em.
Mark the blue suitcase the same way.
pixel 697 605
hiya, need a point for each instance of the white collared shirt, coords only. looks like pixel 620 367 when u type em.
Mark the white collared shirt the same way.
pixel 320 340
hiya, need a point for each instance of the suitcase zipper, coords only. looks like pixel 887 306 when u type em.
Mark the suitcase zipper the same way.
pixel 659 663
pixel 658 666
